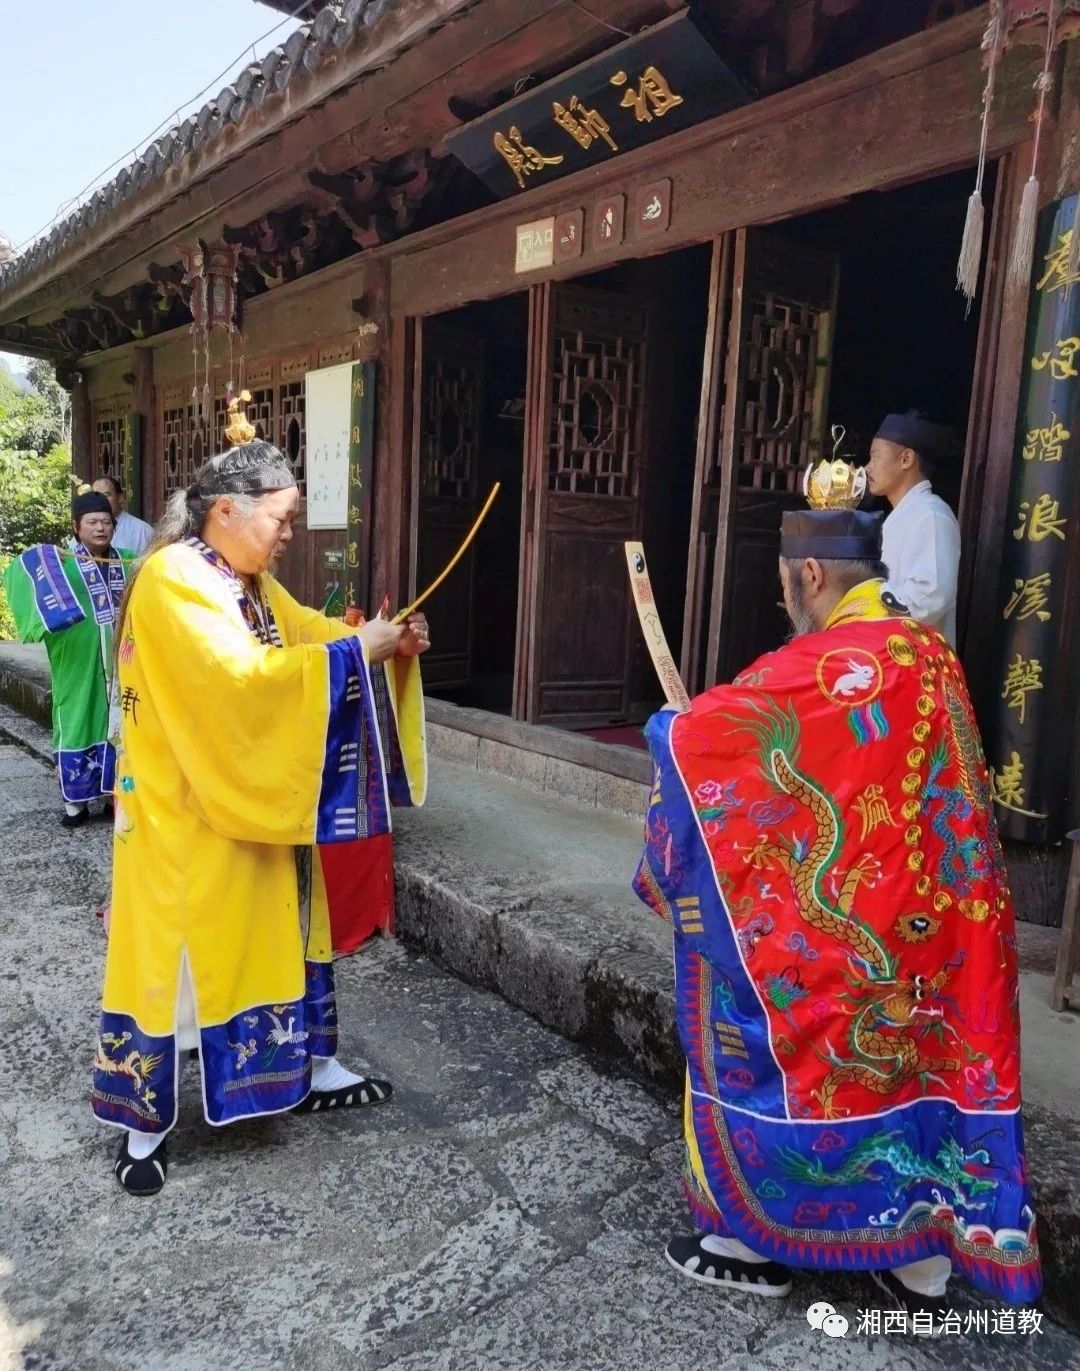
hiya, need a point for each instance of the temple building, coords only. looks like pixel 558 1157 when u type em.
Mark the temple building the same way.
pixel 641 263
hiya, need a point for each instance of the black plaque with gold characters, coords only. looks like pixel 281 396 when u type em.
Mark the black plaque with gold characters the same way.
pixel 1036 671
pixel 655 83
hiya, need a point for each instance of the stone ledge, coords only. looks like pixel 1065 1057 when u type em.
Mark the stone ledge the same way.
pixel 25 682
pixel 613 759
pixel 601 776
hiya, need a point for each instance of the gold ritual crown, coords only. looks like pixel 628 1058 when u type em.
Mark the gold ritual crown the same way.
pixel 239 428
pixel 834 484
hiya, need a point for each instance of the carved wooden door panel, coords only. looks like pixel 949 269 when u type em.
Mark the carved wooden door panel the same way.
pixel 772 425
pixel 585 481
pixel 448 434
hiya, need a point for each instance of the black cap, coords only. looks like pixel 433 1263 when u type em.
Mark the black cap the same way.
pixel 921 435
pixel 843 535
pixel 92 502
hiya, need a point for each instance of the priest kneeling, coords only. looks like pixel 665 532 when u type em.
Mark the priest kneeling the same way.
pixel 820 835
pixel 254 731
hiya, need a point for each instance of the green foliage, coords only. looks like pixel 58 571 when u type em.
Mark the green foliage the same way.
pixel 7 621
pixel 35 469
pixel 35 498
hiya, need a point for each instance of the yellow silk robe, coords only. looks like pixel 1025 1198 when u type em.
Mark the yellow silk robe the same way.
pixel 234 754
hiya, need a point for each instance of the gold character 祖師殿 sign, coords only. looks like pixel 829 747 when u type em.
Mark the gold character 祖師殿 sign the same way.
pixel 657 82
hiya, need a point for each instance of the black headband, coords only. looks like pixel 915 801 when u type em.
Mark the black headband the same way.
pixel 254 468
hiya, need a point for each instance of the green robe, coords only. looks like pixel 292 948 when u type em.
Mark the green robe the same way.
pixel 70 602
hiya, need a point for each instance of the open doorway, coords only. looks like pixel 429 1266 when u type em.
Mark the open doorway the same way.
pixel 903 338
pixel 845 315
pixel 659 431
pixel 617 392
pixel 470 434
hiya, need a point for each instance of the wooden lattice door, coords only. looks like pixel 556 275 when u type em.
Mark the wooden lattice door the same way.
pixel 585 481
pixel 448 437
pixel 772 424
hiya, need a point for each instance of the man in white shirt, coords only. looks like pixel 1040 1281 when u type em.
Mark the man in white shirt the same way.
pixel 131 534
pixel 920 540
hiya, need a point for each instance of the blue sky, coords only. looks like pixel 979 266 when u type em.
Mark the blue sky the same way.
pixel 84 82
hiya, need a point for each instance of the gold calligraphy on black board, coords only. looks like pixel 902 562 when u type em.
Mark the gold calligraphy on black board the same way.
pixel 361 469
pixel 662 80
pixel 131 438
pixel 1036 673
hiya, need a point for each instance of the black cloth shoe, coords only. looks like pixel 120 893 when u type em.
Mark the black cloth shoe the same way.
pixel 75 820
pixel 925 1312
pixel 690 1258
pixel 145 1176
pixel 348 1097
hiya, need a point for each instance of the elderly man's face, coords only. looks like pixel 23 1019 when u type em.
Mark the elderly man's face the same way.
pixel 105 487
pixel 254 543
pixel 95 532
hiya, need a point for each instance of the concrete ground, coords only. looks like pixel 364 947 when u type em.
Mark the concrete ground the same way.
pixel 506 1210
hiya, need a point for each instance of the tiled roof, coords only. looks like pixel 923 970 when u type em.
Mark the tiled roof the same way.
pixel 305 48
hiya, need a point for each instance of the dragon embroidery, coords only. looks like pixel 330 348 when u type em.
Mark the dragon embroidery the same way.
pixel 889 1159
pixel 883 1048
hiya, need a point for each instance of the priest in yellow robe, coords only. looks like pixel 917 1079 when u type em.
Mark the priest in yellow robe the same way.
pixel 253 731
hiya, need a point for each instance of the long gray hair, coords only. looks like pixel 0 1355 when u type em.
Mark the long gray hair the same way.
pixel 244 473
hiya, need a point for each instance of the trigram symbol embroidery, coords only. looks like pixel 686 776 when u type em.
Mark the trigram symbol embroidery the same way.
pixel 349 758
pixel 345 821
pixel 352 689
pixel 688 913
pixel 730 1038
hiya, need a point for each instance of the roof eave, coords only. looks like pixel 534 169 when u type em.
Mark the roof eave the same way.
pixel 196 155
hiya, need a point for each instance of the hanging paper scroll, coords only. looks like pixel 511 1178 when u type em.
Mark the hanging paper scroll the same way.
pixel 328 407
pixel 1035 664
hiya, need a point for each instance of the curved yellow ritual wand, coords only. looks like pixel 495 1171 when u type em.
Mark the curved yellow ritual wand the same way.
pixel 404 614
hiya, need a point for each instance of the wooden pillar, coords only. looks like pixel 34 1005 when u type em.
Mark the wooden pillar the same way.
pixel 1037 872
pixel 142 404
pixel 82 451
pixel 143 480
pixel 1068 183
pixel 393 465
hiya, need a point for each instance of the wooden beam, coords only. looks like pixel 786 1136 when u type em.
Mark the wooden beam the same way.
pixel 907 112
pixel 253 169
pixel 82 452
pixel 371 49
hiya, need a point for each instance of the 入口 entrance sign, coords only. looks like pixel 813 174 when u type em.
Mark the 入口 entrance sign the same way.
pixel 655 83
pixel 535 245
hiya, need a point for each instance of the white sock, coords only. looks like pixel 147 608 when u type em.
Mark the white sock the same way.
pixel 928 1277
pixel 72 810
pixel 731 1248
pixel 327 1073
pixel 142 1145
